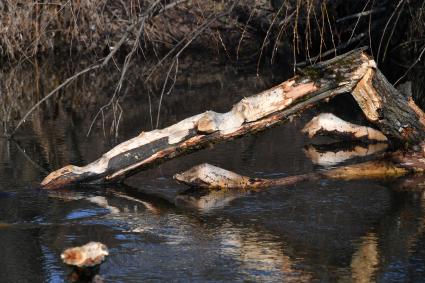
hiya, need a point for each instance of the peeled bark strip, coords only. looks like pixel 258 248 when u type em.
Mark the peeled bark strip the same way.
pixel 327 123
pixel 212 177
pixel 252 114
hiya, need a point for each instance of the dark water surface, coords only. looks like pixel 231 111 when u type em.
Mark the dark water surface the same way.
pixel 326 231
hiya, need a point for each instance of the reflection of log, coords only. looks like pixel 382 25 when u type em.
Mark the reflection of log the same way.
pixel 331 158
pixel 212 177
pixel 365 260
pixel 204 199
pixel 352 72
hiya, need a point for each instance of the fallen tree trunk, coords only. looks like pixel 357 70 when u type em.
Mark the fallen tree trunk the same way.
pixel 353 72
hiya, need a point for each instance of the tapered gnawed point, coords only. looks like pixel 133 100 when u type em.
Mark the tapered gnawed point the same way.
pixel 89 255
pixel 61 176
pixel 329 123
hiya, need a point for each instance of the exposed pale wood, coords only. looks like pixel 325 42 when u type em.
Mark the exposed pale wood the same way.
pixel 89 255
pixel 329 124
pixel 212 177
pixel 400 120
pixel 354 72
pixel 377 169
pixel 252 114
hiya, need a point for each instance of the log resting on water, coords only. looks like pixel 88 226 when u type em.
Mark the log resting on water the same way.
pixel 211 177
pixel 354 72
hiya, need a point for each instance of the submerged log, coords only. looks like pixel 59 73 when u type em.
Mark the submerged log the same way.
pixel 252 114
pixel 211 177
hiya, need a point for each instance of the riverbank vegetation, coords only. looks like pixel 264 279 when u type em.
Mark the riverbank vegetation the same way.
pixel 151 39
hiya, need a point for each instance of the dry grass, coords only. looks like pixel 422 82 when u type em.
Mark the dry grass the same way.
pixel 311 27
pixel 30 27
pixel 254 29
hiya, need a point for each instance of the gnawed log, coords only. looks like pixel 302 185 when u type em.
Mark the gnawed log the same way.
pixel 252 114
pixel 212 177
pixel 363 141
pixel 329 124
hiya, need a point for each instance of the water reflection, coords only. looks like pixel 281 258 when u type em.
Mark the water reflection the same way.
pixel 260 253
pixel 365 260
pixel 157 230
pixel 205 199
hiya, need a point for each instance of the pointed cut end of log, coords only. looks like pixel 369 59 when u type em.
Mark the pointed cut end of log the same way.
pixel 89 255
pixel 327 123
pixel 61 177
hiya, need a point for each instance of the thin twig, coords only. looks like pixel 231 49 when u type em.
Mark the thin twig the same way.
pixel 190 38
pixel 27 157
pixel 162 93
pixel 150 12
pixel 392 32
pixel 66 82
pixel 141 22
pixel 361 14
pixel 333 50
pixel 358 21
pixel 266 38
pixel 244 31
pixel 385 29
pixel 411 66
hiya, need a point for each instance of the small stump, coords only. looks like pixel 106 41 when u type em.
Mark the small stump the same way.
pixel 85 261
